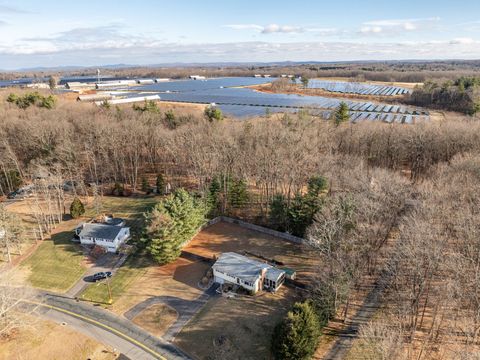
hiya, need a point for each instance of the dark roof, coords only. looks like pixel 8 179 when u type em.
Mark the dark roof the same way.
pixel 100 231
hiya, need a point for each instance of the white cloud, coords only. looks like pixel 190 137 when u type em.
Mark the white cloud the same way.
pixel 267 29
pixel 5 9
pixel 156 51
pixel 274 28
pixel 396 26
pixel 245 27
pixel 462 41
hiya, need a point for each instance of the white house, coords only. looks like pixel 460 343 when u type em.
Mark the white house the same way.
pixel 111 237
pixel 250 274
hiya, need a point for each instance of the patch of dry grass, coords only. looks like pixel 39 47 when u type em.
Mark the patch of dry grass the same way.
pixel 156 319
pixel 48 340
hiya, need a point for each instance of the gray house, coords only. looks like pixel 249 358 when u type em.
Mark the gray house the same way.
pixel 111 237
pixel 250 274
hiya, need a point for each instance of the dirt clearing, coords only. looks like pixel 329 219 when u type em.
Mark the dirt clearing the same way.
pixel 224 237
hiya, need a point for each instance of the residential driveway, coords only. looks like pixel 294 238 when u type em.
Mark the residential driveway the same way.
pixel 106 262
pixel 186 309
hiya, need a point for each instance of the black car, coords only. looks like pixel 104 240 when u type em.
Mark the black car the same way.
pixel 12 195
pixel 102 275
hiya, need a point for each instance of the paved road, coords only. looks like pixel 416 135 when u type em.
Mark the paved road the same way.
pixel 129 350
pixel 120 330
pixel 103 263
pixel 186 309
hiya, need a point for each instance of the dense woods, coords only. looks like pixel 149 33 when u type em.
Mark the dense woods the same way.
pixel 405 71
pixel 461 95
pixel 431 305
pixel 343 186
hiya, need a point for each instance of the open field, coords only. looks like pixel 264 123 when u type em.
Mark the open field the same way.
pixel 156 319
pixel 241 327
pixel 134 267
pixel 237 328
pixel 58 263
pixel 129 208
pixel 178 279
pixel 48 340
pixel 224 237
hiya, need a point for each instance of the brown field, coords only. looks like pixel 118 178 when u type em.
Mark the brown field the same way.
pixel 156 319
pixel 48 340
pixel 241 327
pixel 224 237
pixel 178 279
pixel 238 328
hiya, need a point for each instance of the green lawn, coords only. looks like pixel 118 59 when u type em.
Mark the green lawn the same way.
pixel 57 263
pixel 131 209
pixel 134 267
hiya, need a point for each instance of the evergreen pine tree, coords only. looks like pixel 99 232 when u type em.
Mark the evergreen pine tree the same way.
pixel 160 183
pixel 76 208
pixel 341 114
pixel 145 186
pixel 172 223
pixel 213 195
pixel 296 338
pixel 278 216
pixel 238 193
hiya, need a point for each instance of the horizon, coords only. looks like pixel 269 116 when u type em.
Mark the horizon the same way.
pixel 89 34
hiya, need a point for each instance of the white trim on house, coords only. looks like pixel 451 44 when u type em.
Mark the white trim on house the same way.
pixel 110 237
pixel 250 274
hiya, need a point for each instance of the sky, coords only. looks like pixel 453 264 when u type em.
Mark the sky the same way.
pixel 52 33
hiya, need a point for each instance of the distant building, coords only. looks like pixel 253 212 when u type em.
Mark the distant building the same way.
pixel 250 274
pixel 145 81
pixel 110 237
pixel 131 100
pixel 38 86
pixel 94 97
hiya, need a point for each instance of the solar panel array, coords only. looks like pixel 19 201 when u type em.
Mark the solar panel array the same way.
pixel 345 87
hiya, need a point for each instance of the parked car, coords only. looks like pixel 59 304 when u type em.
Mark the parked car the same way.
pixel 12 195
pixel 102 275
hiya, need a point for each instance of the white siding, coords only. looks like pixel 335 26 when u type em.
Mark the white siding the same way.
pixel 222 278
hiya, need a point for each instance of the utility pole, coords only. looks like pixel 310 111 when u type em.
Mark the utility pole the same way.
pixel 110 300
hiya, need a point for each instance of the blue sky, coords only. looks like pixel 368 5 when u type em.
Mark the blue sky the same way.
pixel 87 32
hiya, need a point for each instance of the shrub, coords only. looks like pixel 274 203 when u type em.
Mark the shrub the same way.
pixel 296 338
pixel 213 113
pixel 76 208
pixel 23 102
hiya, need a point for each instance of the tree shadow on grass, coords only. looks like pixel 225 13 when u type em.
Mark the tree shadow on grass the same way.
pixel 64 239
pixel 191 274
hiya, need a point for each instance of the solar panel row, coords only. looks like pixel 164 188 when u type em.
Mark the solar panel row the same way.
pixel 357 88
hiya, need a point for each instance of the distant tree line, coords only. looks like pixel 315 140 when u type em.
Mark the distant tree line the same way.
pixel 461 95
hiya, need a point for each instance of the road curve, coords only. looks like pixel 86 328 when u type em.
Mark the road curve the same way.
pixel 117 332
